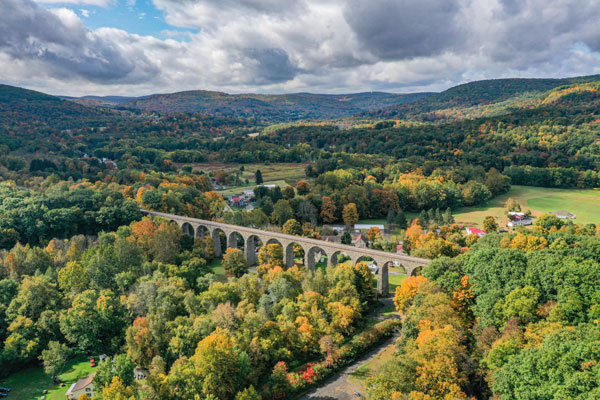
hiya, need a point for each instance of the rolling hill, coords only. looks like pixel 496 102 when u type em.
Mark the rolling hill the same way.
pixel 26 109
pixel 284 107
pixel 508 93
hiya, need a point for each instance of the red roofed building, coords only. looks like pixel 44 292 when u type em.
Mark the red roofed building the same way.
pixel 360 242
pixel 475 231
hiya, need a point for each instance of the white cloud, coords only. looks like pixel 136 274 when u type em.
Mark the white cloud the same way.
pixel 308 45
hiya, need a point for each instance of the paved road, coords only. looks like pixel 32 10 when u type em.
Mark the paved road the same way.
pixel 339 387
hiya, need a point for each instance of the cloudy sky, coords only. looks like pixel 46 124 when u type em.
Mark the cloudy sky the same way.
pixel 136 47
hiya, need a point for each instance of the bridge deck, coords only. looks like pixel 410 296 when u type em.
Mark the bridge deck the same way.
pixel 299 239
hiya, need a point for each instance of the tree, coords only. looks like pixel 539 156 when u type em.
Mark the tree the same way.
pixel 490 224
pixel 288 192
pixel 292 227
pixel 73 278
pixel 548 221
pixel 141 348
pixel 328 210
pixel 400 220
pixel 521 303
pixel 302 187
pixel 95 321
pixel 350 214
pixel 258 177
pixel 165 245
pixel 512 205
pixel 282 211
pixel 448 217
pixel 234 262
pixel 218 368
pixel 406 292
pixel 55 358
pixel 346 238
pixel 118 391
pixel 121 366
pixel 307 212
pixel 271 254
pixel 248 394
pixel 496 182
pixel 373 234
pixel 391 216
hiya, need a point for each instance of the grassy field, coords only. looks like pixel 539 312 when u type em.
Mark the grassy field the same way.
pixel 585 203
pixel 291 172
pixel 238 189
pixel 30 383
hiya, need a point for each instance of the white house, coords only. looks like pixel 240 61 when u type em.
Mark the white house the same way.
pixel 519 219
pixel 140 373
pixel 84 385
pixel 360 242
pixel 520 222
pixel 248 193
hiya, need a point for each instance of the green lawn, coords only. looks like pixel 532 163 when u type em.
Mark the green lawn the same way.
pixel 290 173
pixel 31 382
pixel 585 203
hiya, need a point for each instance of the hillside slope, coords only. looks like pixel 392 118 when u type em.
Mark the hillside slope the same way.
pixel 274 107
pixel 27 109
pixel 477 94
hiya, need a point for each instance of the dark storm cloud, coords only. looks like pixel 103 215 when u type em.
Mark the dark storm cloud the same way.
pixel 271 65
pixel 63 46
pixel 401 29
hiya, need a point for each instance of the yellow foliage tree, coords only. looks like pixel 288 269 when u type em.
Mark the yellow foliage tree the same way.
pixel 407 291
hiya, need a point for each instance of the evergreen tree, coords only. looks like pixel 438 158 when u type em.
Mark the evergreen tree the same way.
pixel 391 216
pixel 430 216
pixel 346 238
pixel 448 217
pixel 439 220
pixel 423 218
pixel 401 220
pixel 258 177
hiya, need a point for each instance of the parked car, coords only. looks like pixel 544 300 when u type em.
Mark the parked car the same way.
pixel 92 362
pixel 3 394
pixel 4 389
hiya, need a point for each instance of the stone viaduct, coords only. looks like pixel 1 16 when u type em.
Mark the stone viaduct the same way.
pixel 235 234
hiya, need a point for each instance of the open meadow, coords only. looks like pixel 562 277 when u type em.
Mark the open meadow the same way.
pixel 270 172
pixel 585 203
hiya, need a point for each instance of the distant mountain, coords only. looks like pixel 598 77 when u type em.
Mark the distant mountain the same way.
pixel 283 107
pixel 479 93
pixel 26 109
pixel 99 101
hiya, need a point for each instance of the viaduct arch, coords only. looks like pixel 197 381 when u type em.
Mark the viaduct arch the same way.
pixel 197 227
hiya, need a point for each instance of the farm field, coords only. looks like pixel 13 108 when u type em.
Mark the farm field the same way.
pixel 238 189
pixel 270 172
pixel 585 203
pixel 30 383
